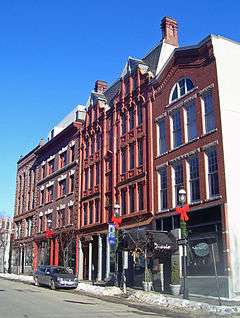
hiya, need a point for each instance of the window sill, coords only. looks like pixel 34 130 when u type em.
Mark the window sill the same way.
pixel 217 197
pixel 209 132
pixel 181 99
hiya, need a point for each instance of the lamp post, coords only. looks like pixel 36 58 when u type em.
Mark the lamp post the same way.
pixel 182 196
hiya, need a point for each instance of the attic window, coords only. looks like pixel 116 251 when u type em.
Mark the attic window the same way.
pixel 182 87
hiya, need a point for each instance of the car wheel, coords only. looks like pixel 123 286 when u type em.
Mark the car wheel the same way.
pixel 52 284
pixel 36 282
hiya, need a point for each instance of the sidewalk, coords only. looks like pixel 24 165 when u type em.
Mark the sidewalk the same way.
pixel 151 300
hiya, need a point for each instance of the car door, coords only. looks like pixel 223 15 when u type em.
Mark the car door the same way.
pixel 40 274
pixel 47 276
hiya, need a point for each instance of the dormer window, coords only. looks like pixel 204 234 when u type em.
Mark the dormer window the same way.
pixel 182 87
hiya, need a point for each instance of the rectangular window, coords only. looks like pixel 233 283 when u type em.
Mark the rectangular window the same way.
pixel 50 194
pixel 194 179
pixel 97 173
pixel 131 198
pixel 70 214
pixel 71 183
pixel 131 118
pixel 62 188
pixel 139 114
pixel 43 171
pixel 178 180
pixel 41 197
pixel 62 159
pixel 91 176
pixel 41 224
pixel 123 202
pixel 123 123
pixel 163 188
pixel 85 214
pixel 140 197
pixel 213 184
pixel 177 129
pixel 162 145
pixel 98 141
pixel 92 146
pixel 191 121
pixel 131 153
pixel 51 166
pixel 140 152
pixel 86 150
pixel 123 160
pixel 86 179
pixel 208 112
pixel 91 212
pixel 72 153
pixel 96 211
pixel 61 218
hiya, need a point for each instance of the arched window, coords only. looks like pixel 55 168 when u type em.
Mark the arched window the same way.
pixel 181 88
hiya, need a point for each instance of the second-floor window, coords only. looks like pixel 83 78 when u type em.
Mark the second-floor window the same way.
pixel 140 152
pixel 91 176
pixel 131 118
pixel 194 179
pixel 51 167
pixel 92 146
pixel 85 214
pixel 191 121
pixel 139 114
pixel 62 190
pixel 123 160
pixel 123 201
pixel 91 212
pixel 176 129
pixel 123 124
pixel 209 115
pixel 163 188
pixel 62 159
pixel 86 179
pixel 178 180
pixel 71 183
pixel 131 198
pixel 86 150
pixel 97 173
pixel 41 196
pixel 140 197
pixel 131 153
pixel 213 183
pixel 97 211
pixel 50 194
pixel 43 168
pixel 61 218
pixel 41 225
pixel 162 144
pixel 72 153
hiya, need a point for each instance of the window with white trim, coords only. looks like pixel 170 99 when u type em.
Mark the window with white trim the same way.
pixel 131 155
pixel 191 121
pixel 123 124
pixel 123 160
pixel 182 87
pixel 176 128
pixel 161 132
pixel 194 179
pixel 162 174
pixel 209 116
pixel 123 201
pixel 212 177
pixel 139 113
pixel 178 180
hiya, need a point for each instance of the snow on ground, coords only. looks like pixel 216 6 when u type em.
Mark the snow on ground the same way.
pixel 149 298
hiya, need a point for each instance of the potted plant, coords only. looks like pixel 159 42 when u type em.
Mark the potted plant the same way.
pixel 147 283
pixel 175 279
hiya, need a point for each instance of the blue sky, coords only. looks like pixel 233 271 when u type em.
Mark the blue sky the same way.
pixel 51 53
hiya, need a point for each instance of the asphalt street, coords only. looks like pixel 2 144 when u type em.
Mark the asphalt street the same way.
pixel 18 300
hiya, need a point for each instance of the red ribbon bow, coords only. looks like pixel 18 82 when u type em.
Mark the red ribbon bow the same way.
pixel 183 212
pixel 117 221
pixel 49 233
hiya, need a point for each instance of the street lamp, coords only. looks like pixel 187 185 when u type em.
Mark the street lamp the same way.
pixel 49 224
pixel 116 210
pixel 182 196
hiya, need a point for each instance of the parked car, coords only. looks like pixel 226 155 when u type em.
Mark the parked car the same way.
pixel 54 277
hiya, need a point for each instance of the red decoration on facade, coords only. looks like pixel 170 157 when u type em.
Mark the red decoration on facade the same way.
pixel 35 255
pixel 117 220
pixel 183 212
pixel 49 233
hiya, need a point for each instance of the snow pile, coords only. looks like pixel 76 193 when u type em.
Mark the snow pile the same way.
pixel 182 305
pixel 22 278
pixel 98 290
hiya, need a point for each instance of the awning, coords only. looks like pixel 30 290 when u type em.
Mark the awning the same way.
pixel 153 242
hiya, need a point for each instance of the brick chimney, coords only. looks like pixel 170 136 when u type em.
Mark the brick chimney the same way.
pixel 169 31
pixel 100 86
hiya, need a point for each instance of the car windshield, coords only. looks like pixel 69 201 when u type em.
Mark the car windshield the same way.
pixel 60 270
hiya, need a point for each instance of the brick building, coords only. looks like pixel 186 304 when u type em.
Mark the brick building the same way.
pixel 167 123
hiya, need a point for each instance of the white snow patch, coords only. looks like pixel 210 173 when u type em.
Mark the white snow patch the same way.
pixel 98 290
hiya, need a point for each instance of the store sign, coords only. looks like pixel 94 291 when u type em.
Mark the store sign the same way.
pixel 112 234
pixel 201 249
pixel 161 246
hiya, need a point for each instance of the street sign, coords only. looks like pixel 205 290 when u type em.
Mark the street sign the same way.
pixel 182 241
